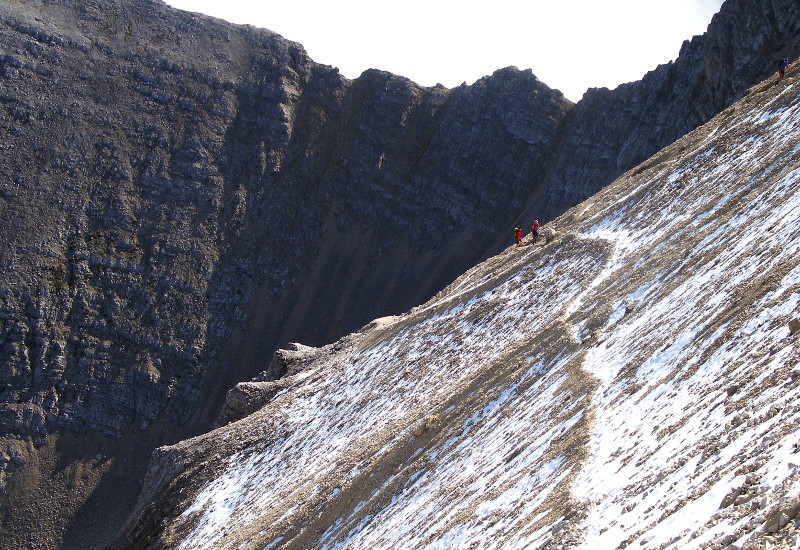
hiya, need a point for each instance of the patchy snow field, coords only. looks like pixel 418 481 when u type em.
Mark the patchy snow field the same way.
pixel 631 382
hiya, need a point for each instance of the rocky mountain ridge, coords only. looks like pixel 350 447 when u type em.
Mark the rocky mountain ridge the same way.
pixel 611 131
pixel 179 196
pixel 631 382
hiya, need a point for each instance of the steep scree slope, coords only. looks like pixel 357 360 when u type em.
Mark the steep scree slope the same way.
pixel 179 195
pixel 632 382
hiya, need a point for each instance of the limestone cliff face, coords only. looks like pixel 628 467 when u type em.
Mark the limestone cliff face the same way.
pixel 611 131
pixel 179 196
pixel 169 180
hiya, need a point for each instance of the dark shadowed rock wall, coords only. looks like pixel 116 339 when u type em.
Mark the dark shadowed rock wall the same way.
pixel 611 131
pixel 179 196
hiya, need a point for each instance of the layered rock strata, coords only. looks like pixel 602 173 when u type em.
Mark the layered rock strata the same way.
pixel 179 196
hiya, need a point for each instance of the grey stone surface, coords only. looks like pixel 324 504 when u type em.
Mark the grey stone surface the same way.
pixel 611 131
pixel 180 196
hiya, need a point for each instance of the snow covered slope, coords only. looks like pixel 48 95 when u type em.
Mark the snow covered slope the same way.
pixel 632 382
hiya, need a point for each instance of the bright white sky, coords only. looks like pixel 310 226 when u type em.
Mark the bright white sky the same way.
pixel 569 44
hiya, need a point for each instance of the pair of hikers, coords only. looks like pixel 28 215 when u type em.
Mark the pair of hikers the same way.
pixel 782 66
pixel 534 233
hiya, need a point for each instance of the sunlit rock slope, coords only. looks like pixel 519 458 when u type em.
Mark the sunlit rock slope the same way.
pixel 632 381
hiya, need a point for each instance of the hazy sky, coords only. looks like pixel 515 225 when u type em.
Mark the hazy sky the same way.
pixel 569 44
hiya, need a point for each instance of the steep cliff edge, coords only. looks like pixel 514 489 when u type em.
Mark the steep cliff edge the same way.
pixel 633 382
pixel 611 131
pixel 179 196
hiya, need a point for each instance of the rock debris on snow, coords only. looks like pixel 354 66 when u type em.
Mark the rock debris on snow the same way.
pixel 631 383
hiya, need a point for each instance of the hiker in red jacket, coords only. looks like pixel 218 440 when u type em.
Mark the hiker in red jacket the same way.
pixel 535 231
pixel 518 234
pixel 782 66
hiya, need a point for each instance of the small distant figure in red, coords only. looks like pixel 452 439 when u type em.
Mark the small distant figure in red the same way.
pixel 535 231
pixel 518 234
pixel 782 66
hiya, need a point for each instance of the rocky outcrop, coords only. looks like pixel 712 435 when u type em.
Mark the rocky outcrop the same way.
pixel 180 196
pixel 611 131
pixel 247 397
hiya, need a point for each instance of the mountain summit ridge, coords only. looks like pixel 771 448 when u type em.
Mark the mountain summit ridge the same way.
pixel 181 196
pixel 632 381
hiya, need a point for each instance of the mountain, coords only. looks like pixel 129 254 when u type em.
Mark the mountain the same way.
pixel 632 381
pixel 180 196
pixel 611 131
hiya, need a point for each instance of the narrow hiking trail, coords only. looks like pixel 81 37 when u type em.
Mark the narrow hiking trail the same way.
pixel 444 363
pixel 631 382
pixel 697 346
